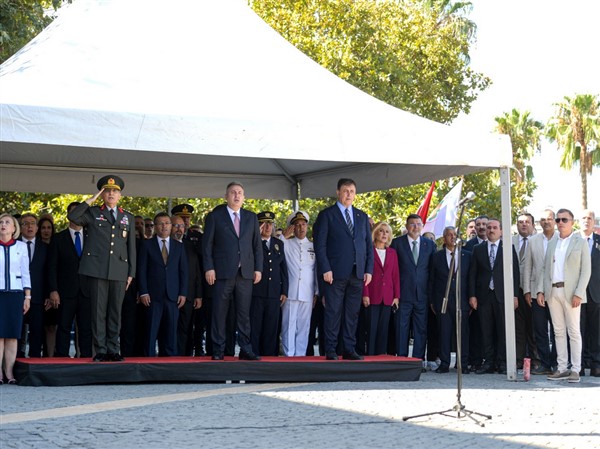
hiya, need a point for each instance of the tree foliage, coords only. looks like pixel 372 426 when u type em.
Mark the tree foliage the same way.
pixel 575 127
pixel 21 21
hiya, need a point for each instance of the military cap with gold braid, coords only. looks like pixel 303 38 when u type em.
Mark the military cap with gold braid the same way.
pixel 266 217
pixel 182 210
pixel 297 216
pixel 110 182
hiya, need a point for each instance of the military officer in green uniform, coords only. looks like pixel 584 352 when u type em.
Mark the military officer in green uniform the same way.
pixel 108 262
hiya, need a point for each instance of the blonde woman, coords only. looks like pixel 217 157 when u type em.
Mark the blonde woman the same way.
pixel 382 295
pixel 15 292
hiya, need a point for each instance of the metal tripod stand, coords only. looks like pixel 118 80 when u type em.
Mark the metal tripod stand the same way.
pixel 458 410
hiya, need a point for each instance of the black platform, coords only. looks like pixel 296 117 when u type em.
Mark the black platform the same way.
pixel 66 371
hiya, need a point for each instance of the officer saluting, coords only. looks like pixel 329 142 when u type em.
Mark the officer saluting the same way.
pixel 108 262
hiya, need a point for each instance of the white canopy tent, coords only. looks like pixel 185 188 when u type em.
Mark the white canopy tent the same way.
pixel 182 97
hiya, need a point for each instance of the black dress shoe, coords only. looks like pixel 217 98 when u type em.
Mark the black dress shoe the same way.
pixel 352 356
pixel 582 372
pixel 595 372
pixel 115 357
pixel 100 358
pixel 485 369
pixel 331 356
pixel 249 356
pixel 442 369
pixel 542 371
pixel 502 370
pixel 217 357
pixel 466 371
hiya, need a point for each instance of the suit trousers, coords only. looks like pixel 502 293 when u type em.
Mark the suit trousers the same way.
pixel 185 327
pixel 161 324
pixel 133 332
pixel 525 343
pixel 475 339
pixel 590 334
pixel 491 320
pixel 566 320
pixel 226 291
pixel 378 323
pixel 414 311
pixel 295 327
pixel 543 331
pixel 342 303
pixel 446 323
pixel 106 303
pixel 35 319
pixel 77 308
pixel 264 322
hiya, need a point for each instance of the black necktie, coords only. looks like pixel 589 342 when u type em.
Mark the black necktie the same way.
pixel 29 250
pixel 112 215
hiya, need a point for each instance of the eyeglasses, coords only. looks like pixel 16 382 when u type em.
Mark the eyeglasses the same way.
pixel 149 225
pixel 179 226
pixel 563 219
pixel 28 223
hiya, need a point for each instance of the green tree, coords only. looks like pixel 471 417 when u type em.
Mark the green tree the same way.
pixel 524 133
pixel 575 127
pixel 21 21
pixel 410 56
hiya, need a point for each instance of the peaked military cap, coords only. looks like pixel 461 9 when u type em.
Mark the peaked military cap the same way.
pixel 266 217
pixel 297 216
pixel 182 210
pixel 110 182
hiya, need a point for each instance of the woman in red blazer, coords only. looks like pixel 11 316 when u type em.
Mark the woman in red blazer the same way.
pixel 383 293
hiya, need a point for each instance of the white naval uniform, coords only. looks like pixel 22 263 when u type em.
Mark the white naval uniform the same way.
pixel 296 311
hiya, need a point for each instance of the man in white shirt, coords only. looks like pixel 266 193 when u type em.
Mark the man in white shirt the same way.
pixel 567 270
pixel 302 290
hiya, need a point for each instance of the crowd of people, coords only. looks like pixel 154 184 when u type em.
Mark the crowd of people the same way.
pixel 138 287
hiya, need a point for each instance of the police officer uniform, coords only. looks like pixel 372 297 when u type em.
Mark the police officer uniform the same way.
pixel 266 295
pixel 108 259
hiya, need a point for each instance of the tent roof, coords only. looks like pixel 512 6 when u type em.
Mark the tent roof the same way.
pixel 182 97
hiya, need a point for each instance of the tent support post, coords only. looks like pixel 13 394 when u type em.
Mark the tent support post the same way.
pixel 298 195
pixel 507 262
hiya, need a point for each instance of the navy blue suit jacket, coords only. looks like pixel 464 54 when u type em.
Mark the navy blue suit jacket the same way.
pixel 63 266
pixel 414 277
pixel 439 277
pixel 481 272
pixel 39 272
pixel 223 251
pixel 593 289
pixel 339 251
pixel 274 280
pixel 157 279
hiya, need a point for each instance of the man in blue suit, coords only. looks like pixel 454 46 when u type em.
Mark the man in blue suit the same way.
pixel 414 257
pixel 344 252
pixel 233 260
pixel 163 284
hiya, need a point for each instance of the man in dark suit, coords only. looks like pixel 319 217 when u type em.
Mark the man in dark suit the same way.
pixel 270 293
pixel 162 276
pixel 193 301
pixel 590 311
pixel 344 251
pixel 414 259
pixel 440 269
pixel 475 338
pixel 486 295
pixel 40 301
pixel 233 259
pixel 108 262
pixel 68 289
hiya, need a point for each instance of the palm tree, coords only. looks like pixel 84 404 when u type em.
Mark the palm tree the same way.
pixel 576 129
pixel 524 133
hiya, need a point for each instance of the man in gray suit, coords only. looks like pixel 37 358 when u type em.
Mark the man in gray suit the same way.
pixel 533 269
pixel 567 271
pixel 107 262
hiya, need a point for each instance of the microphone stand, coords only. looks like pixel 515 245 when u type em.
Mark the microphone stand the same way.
pixel 460 410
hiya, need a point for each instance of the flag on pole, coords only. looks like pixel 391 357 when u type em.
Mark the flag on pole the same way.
pixel 445 212
pixel 423 210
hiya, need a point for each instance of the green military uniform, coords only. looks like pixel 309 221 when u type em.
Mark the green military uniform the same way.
pixel 108 259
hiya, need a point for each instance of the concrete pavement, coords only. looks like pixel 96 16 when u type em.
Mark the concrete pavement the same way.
pixel 539 413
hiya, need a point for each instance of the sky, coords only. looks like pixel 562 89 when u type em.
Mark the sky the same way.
pixel 536 53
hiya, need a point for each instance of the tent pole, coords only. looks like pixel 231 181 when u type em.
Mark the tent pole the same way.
pixel 509 312
pixel 297 195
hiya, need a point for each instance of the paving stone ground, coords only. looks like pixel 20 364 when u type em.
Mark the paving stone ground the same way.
pixel 539 413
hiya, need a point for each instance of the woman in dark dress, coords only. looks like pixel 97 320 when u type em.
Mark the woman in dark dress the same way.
pixel 15 292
